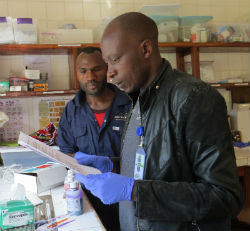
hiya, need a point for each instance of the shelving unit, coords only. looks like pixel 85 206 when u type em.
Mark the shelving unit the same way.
pixel 46 49
pixel 16 94
pixel 240 91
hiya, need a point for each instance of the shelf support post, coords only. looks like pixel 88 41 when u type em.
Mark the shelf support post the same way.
pixel 195 60
pixel 72 69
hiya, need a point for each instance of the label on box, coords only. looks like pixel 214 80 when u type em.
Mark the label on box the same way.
pixel 15 219
pixel 18 88
pixel 32 74
pixel 24 20
pixel 3 20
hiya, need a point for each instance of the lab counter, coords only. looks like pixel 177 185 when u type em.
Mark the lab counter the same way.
pixel 88 221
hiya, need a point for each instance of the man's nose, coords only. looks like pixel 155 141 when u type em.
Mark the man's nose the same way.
pixel 110 74
pixel 90 75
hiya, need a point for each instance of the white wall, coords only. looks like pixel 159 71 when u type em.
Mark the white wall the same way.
pixel 89 13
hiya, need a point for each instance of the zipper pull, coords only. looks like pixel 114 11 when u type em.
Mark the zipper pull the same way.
pixel 194 223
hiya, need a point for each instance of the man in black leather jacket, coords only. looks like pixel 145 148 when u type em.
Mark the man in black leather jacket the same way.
pixel 190 179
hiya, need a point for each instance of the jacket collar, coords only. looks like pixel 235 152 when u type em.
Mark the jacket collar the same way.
pixel 120 97
pixel 154 86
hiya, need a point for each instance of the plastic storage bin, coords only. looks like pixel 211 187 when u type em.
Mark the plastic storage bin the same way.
pixel 167 27
pixel 164 10
pixel 195 28
pixel 25 30
pixel 206 71
pixel 231 32
pixel 6 30
pixel 99 29
pixel 240 119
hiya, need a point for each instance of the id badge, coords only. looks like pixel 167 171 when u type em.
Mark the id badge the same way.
pixel 139 163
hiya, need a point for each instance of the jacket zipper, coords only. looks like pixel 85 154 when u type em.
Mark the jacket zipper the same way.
pixel 137 224
pixel 194 223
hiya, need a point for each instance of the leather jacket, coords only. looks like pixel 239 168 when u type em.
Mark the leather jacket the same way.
pixel 190 176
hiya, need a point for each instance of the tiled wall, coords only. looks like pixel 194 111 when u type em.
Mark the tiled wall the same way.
pixel 89 13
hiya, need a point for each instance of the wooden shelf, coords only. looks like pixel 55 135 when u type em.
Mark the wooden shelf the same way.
pixel 230 85
pixel 211 46
pixel 11 49
pixel 20 94
pixel 49 49
pixel 180 48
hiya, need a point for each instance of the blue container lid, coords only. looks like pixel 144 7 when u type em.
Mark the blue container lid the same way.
pixel 161 18
pixel 191 20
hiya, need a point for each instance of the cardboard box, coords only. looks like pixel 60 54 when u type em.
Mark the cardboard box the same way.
pixel 41 178
pixel 40 87
pixel 66 36
pixel 16 213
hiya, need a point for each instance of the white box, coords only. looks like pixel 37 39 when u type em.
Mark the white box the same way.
pixel 6 30
pixel 41 178
pixel 66 36
pixel 32 74
pixel 25 30
pixel 240 119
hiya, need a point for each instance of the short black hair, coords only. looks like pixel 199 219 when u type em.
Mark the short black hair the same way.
pixel 89 50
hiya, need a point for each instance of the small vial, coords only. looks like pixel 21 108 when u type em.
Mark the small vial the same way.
pixel 68 179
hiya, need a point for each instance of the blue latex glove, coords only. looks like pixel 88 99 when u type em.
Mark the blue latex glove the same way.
pixel 103 163
pixel 241 144
pixel 108 187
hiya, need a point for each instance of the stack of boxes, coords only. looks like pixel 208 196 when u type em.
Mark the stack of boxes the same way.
pixel 18 30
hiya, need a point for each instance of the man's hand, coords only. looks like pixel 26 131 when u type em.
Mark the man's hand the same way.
pixel 108 187
pixel 103 163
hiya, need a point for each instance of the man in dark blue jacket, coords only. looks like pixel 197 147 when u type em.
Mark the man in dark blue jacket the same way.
pixel 92 123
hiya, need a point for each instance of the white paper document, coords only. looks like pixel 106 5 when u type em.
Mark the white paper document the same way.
pixel 55 155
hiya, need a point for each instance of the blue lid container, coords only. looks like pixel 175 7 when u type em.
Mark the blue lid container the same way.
pixel 191 20
pixel 160 18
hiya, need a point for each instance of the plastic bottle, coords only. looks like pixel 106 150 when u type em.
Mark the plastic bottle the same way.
pixel 74 200
pixel 68 179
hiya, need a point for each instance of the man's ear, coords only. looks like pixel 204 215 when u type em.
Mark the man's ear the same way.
pixel 146 48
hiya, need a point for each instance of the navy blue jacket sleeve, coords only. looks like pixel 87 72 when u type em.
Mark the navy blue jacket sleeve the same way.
pixel 65 138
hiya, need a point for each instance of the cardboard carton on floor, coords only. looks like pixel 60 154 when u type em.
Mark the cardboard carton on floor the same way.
pixel 41 178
